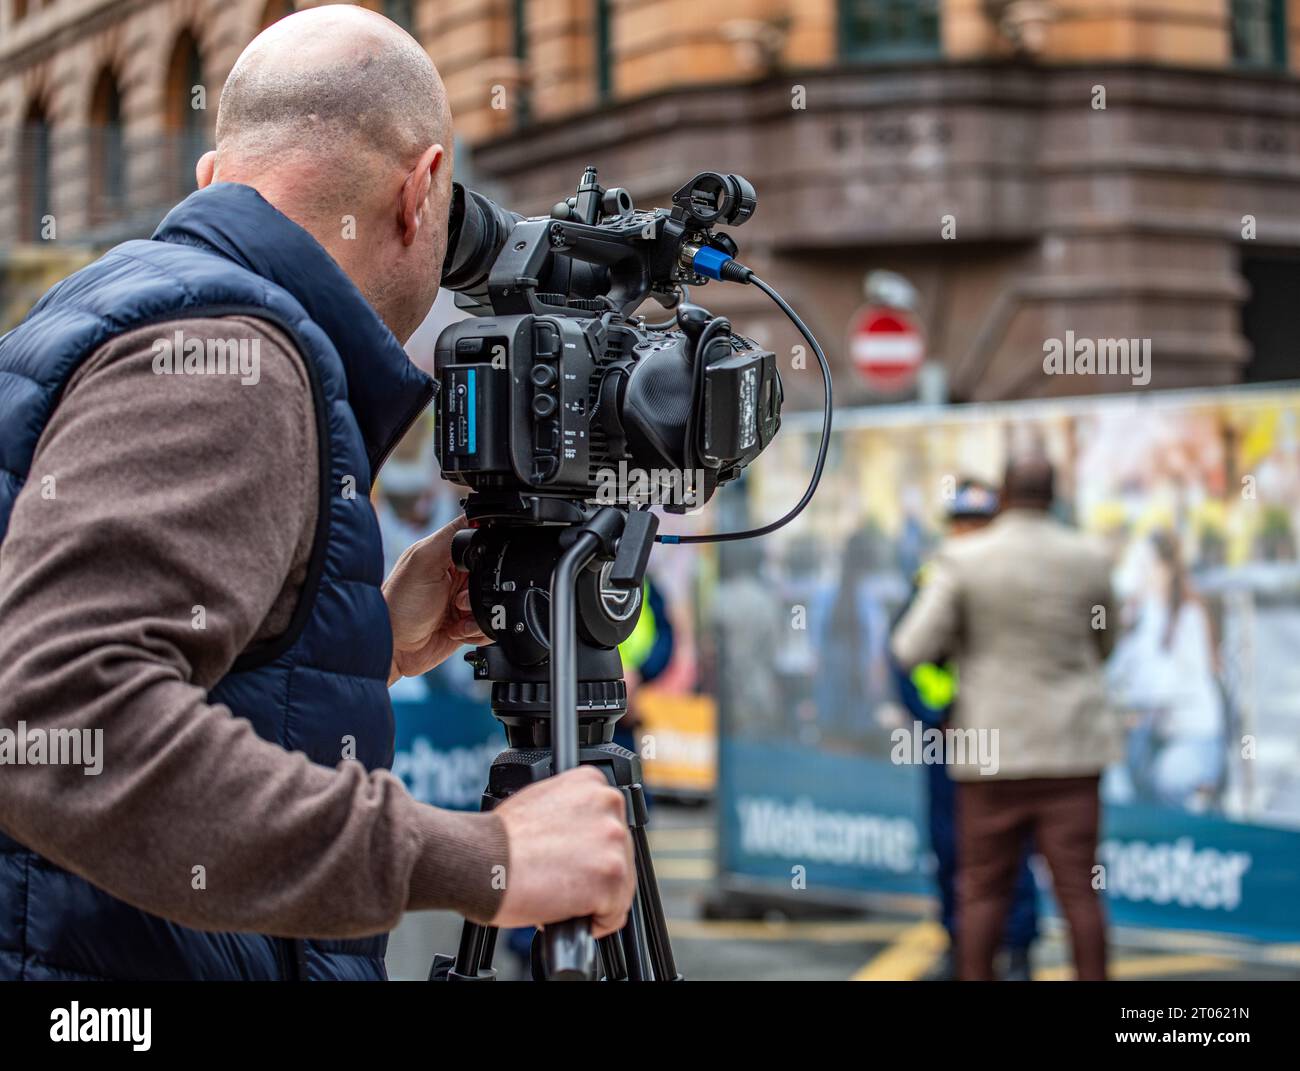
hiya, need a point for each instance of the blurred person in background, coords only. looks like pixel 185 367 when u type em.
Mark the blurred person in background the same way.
pixel 850 626
pixel 1022 609
pixel 645 655
pixel 799 584
pixel 750 628
pixel 1164 670
pixel 928 692
pixel 405 504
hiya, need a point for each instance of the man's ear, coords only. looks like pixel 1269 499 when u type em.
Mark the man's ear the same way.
pixel 205 169
pixel 415 192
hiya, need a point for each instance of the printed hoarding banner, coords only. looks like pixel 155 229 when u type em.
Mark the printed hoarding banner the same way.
pixel 1197 498
pixel 801 818
pixel 678 741
pixel 446 740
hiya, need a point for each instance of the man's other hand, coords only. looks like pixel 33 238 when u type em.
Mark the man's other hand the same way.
pixel 428 605
pixel 570 853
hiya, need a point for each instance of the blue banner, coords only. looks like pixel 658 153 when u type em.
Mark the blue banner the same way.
pixel 446 741
pixel 800 817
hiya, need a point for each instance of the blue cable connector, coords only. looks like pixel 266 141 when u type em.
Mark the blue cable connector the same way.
pixel 709 261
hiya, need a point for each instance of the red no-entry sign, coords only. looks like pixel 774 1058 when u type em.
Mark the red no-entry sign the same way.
pixel 887 346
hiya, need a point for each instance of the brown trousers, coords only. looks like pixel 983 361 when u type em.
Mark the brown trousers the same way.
pixel 994 818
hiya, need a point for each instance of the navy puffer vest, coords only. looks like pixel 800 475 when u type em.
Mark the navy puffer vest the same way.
pixel 223 251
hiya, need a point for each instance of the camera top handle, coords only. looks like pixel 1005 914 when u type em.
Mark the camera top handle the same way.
pixel 595 251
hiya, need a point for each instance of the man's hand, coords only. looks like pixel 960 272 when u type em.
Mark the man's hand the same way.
pixel 570 853
pixel 428 605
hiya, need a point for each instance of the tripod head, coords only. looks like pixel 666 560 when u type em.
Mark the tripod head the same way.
pixel 511 552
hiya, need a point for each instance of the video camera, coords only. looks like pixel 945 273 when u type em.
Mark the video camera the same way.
pixel 557 384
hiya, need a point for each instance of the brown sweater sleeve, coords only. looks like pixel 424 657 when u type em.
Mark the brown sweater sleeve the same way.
pixel 156 504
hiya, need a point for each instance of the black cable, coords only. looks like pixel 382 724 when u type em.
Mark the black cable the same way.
pixel 743 274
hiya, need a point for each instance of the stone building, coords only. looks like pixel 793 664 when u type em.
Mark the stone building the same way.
pixel 1119 169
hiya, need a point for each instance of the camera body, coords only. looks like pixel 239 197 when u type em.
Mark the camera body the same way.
pixel 556 404
pixel 557 388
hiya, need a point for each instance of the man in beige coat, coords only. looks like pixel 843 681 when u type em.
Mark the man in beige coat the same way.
pixel 1023 610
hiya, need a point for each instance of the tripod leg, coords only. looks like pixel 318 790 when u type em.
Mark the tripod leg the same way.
pixel 656 925
pixel 611 955
pixel 474 956
pixel 634 946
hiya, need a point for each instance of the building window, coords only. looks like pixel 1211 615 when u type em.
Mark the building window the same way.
pixel 107 155
pixel 20 9
pixel 1259 33
pixel 519 28
pixel 401 12
pixel 1268 315
pixel 604 60
pixel 273 12
pixel 186 128
pixel 889 29
pixel 34 173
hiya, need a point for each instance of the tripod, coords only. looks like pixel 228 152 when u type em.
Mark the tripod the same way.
pixel 559 585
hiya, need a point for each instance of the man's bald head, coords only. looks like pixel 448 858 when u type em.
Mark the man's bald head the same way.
pixel 333 80
pixel 338 118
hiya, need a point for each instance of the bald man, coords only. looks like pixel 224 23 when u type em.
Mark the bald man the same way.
pixel 198 640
